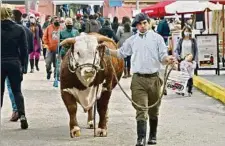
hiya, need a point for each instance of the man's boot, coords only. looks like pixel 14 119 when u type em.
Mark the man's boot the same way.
pixel 125 73
pixel 153 122
pixel 36 64
pixel 23 122
pixel 141 133
pixel 32 65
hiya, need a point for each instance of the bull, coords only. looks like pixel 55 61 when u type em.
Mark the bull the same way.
pixel 86 74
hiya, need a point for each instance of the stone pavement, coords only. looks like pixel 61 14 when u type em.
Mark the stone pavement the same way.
pixel 184 121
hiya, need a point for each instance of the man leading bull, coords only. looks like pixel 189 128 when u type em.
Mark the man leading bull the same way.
pixel 148 51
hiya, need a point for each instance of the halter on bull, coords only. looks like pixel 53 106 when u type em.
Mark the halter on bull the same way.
pixel 83 70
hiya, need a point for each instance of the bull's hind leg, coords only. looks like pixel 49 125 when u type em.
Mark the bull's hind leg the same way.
pixel 90 121
pixel 71 106
pixel 102 107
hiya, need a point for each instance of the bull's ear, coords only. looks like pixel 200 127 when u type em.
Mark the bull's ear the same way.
pixel 68 41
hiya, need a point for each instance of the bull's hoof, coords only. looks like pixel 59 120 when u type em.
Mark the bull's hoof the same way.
pixel 75 132
pixel 101 132
pixel 91 124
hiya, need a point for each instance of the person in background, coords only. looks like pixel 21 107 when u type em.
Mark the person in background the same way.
pixel 92 25
pixel 37 35
pixel 17 15
pixel 148 51
pixel 51 40
pixel 45 25
pixel 163 29
pixel 106 30
pixel 186 45
pixel 77 23
pixel 25 20
pixel 123 33
pixel 115 24
pixel 100 19
pixel 83 23
pixel 68 32
pixel 188 66
pixel 14 48
pixel 62 23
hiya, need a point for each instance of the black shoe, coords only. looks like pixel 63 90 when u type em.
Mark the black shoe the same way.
pixel 36 64
pixel 153 130
pixel 49 75
pixel 141 133
pixel 23 122
pixel 165 92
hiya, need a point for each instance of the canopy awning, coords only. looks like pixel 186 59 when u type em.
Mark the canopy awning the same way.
pixel 84 2
pixel 179 7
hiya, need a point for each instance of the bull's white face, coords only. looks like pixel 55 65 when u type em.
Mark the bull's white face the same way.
pixel 85 52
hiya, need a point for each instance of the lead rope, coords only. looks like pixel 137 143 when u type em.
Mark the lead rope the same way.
pixel 166 75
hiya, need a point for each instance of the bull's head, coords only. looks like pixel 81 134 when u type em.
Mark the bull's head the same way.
pixel 85 56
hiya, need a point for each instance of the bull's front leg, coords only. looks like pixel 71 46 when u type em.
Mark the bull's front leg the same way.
pixel 71 106
pixel 102 107
pixel 90 121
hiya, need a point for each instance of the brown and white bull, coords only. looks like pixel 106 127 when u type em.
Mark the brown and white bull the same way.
pixel 84 72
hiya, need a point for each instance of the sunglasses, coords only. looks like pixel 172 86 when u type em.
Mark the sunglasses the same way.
pixel 143 22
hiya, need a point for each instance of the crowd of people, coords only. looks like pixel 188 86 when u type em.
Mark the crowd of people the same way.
pixel 141 44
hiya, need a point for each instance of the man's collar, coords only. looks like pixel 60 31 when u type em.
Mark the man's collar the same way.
pixel 141 34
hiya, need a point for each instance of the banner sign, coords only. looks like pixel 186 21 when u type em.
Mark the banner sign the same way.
pixel 115 3
pixel 177 81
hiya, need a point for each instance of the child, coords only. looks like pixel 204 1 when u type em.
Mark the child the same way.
pixel 188 66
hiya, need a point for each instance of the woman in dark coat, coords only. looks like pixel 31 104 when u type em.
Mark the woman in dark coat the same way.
pixel 14 51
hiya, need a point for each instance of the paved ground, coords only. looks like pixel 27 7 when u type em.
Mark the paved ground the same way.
pixel 184 121
pixel 210 75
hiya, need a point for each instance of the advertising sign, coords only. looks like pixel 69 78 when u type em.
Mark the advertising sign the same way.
pixel 207 51
pixel 177 81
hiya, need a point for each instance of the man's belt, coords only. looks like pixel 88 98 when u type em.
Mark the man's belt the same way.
pixel 147 75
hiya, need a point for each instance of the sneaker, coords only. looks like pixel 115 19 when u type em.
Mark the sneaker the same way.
pixel 23 122
pixel 32 71
pixel 189 94
pixel 15 117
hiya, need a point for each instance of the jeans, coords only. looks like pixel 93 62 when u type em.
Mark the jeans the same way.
pixel 50 58
pixel 127 61
pixel 11 96
pixel 13 70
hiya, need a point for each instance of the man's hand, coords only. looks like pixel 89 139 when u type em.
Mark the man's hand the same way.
pixel 171 60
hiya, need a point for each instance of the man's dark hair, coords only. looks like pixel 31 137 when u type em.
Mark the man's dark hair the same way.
pixel 24 15
pixel 161 18
pixel 91 17
pixel 17 15
pixel 115 20
pixel 125 19
pixel 85 16
pixel 127 27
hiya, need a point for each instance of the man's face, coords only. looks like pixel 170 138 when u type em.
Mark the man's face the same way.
pixel 143 26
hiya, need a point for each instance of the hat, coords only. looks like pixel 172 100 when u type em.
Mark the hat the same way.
pixel 138 18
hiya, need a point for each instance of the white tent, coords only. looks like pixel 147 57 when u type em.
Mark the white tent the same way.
pixel 84 2
pixel 191 6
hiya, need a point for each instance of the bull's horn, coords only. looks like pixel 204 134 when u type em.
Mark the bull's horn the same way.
pixel 104 38
pixel 68 41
